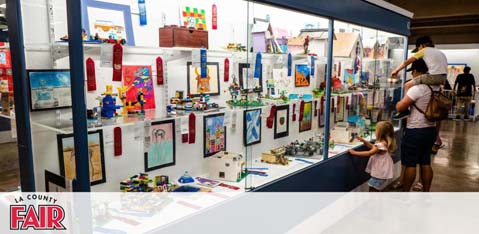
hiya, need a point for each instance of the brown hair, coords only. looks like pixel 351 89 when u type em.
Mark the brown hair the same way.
pixel 385 132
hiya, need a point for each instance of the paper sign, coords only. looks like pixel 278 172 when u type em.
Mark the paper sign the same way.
pixel 106 53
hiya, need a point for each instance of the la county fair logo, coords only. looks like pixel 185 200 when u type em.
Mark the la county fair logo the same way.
pixel 44 215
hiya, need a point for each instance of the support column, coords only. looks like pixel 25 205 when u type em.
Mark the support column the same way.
pixel 327 107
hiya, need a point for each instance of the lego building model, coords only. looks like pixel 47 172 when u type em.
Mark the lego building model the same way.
pixel 275 156
pixel 136 183
pixel 305 149
pixel 226 166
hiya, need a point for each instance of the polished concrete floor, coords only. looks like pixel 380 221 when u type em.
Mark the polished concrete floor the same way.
pixel 456 166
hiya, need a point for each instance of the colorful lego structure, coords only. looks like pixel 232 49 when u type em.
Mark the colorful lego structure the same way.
pixel 136 183
pixel 275 156
pixel 108 103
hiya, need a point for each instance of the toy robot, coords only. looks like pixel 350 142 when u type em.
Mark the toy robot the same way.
pixel 108 103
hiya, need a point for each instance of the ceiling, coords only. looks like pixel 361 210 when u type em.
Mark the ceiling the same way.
pixel 447 22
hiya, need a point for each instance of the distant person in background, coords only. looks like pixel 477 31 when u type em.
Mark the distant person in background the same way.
pixel 466 90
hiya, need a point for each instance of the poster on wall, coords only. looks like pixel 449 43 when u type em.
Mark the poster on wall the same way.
pixel 281 122
pixel 247 79
pixel 138 79
pixel 96 156
pixel 214 134
pixel 252 127
pixel 193 17
pixel 306 123
pixel 49 89
pixel 208 85
pixel 108 20
pixel 302 75
pixel 453 70
pixel 162 150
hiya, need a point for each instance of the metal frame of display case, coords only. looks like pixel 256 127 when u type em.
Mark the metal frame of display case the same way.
pixel 366 14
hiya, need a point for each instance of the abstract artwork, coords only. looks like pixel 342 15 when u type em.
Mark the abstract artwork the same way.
pixel 307 121
pixel 252 127
pixel 138 78
pixel 198 85
pixel 49 89
pixel 349 78
pixel 281 122
pixel 247 79
pixel 161 152
pixel 214 134
pixel 194 18
pixel 96 156
pixel 302 75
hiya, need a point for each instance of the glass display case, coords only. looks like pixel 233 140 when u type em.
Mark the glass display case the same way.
pixel 195 99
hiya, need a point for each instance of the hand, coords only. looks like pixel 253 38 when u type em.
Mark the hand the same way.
pixel 351 151
pixel 360 138
pixel 394 74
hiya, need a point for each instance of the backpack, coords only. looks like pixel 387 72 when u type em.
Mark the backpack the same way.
pixel 438 107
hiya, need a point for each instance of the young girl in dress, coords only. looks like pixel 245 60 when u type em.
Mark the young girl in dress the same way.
pixel 380 164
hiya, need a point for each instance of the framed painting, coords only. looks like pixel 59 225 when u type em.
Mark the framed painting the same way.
pixel 281 122
pixel 321 113
pixel 209 85
pixel 55 183
pixel 108 20
pixel 252 127
pixel 138 78
pixel 302 76
pixel 341 109
pixel 96 157
pixel 162 150
pixel 307 122
pixel 49 89
pixel 214 134
pixel 247 79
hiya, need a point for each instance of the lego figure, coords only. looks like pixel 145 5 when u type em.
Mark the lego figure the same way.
pixel 122 96
pixel 141 101
pixel 234 89
pixel 108 103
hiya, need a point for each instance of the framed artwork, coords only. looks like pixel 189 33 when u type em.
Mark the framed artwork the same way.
pixel 247 79
pixel 341 109
pixel 138 78
pixel 307 122
pixel 349 77
pixel 162 150
pixel 193 17
pixel 55 183
pixel 214 134
pixel 108 20
pixel 302 75
pixel 209 85
pixel 252 127
pixel 49 89
pixel 281 122
pixel 96 157
pixel 321 113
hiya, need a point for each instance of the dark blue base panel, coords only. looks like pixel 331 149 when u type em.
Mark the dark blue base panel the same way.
pixel 341 173
pixel 5 124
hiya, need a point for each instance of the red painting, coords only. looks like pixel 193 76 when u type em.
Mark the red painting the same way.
pixel 138 79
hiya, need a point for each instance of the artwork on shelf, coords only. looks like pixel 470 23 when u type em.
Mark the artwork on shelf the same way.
pixel 209 85
pixel 49 89
pixel 108 20
pixel 341 109
pixel 247 79
pixel 193 17
pixel 138 80
pixel 252 127
pixel 55 183
pixel 96 156
pixel 162 150
pixel 302 75
pixel 214 134
pixel 281 124
pixel 349 77
pixel 306 123
pixel 321 113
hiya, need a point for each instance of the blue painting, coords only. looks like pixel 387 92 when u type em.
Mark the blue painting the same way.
pixel 49 89
pixel 252 127
pixel 161 152
pixel 214 134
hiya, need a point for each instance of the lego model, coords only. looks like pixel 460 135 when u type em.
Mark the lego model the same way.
pixel 305 149
pixel 275 156
pixel 190 103
pixel 122 95
pixel 108 103
pixel 186 178
pixel 226 166
pixel 136 183
pixel 5 96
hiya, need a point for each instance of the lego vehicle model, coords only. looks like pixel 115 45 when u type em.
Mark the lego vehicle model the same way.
pixel 305 149
pixel 275 156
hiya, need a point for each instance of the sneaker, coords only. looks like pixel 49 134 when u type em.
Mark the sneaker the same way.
pixel 400 115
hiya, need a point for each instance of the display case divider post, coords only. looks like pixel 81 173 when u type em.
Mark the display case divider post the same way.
pixel 22 111
pixel 328 89
pixel 80 132
pixel 403 76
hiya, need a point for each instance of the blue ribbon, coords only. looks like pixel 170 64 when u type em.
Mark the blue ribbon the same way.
pixel 257 67
pixel 290 64
pixel 203 62
pixel 312 65
pixel 142 9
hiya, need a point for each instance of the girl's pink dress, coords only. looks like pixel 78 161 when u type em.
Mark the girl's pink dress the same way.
pixel 381 164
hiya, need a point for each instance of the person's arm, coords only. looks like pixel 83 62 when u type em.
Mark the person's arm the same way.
pixel 455 83
pixel 404 104
pixel 403 65
pixel 473 87
pixel 365 142
pixel 368 153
